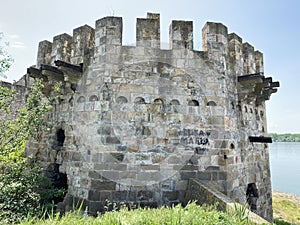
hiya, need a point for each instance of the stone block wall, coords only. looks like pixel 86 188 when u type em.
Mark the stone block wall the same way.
pixel 135 123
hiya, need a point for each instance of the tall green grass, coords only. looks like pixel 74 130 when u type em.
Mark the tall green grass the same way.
pixel 177 215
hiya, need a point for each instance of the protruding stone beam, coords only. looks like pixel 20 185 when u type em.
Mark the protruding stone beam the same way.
pixel 36 73
pixel 274 84
pixel 251 77
pixel 260 139
pixel 72 73
pixel 255 87
pixel 53 73
pixel 268 80
pixel 68 66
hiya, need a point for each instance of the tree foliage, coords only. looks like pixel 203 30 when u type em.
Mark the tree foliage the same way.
pixel 5 59
pixel 285 137
pixel 23 188
pixel 27 122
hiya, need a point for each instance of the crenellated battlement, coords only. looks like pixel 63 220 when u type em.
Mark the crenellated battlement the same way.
pixel 87 42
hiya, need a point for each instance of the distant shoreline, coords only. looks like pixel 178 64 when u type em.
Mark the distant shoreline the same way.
pixel 289 195
pixel 285 137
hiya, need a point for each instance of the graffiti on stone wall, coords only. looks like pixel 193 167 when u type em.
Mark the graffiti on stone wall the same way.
pixel 194 139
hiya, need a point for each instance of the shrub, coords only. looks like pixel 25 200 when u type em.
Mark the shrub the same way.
pixel 18 196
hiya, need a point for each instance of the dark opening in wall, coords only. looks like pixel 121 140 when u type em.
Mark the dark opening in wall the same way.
pixel 175 102
pixel 232 105
pixel 158 101
pixel 139 100
pixel 93 98
pixel 211 103
pixel 261 114
pixel 60 137
pixel 193 103
pixel 252 196
pixel 58 180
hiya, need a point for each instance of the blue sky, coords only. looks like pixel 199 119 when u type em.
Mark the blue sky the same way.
pixel 270 26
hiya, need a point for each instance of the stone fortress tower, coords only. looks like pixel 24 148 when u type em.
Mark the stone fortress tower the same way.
pixel 135 123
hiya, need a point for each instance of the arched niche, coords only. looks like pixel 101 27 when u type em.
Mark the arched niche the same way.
pixel 121 100
pixel 139 100
pixel 175 102
pixel 211 103
pixel 81 99
pixel 158 101
pixel 193 103
pixel 93 98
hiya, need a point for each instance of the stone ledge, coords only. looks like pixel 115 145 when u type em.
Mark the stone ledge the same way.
pixel 203 194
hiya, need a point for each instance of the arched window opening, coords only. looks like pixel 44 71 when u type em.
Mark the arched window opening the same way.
pixel 211 103
pixel 60 137
pixel 251 110
pixel 261 113
pixel 246 109
pixel 175 102
pixel 81 99
pixel 193 103
pixel 252 196
pixel 121 100
pixel 232 146
pixel 158 101
pixel 139 100
pixel 239 107
pixel 93 98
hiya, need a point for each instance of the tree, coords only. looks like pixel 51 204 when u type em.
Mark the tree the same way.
pixel 5 59
pixel 21 181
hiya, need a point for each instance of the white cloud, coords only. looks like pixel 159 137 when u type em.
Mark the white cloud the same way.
pixel 13 36
pixel 17 44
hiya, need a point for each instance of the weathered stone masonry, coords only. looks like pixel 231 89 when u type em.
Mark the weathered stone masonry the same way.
pixel 135 123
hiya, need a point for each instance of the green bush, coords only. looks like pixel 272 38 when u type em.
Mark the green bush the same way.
pixel 24 190
pixel 18 196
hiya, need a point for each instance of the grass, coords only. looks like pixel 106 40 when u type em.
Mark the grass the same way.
pixel 189 215
pixel 286 208
pixel 287 212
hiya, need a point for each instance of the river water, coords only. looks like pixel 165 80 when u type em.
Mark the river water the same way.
pixel 285 166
